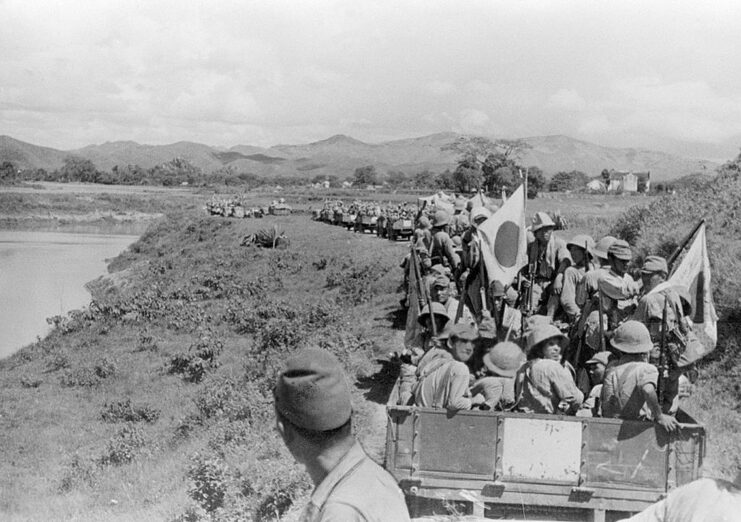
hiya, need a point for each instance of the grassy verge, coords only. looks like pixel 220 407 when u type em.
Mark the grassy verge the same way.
pixel 155 402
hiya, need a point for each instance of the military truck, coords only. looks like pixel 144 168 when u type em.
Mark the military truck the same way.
pixel 521 466
pixel 399 228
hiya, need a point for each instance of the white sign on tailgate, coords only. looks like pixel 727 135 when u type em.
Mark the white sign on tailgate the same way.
pixel 541 449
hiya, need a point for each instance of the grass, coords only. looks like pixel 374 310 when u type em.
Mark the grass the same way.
pixel 96 425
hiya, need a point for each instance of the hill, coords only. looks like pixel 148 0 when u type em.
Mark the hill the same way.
pixel 340 155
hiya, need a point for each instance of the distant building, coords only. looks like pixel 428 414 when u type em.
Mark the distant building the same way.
pixel 596 186
pixel 622 181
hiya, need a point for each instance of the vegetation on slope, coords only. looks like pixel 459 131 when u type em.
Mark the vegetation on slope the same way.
pixel 155 402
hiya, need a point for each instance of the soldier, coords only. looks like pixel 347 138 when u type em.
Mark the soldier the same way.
pixel 596 367
pixel 313 416
pixel 496 382
pixel 629 388
pixel 459 223
pixel 443 376
pixel 469 271
pixel 441 292
pixel 580 248
pixel 548 258
pixel 442 249
pixel 587 287
pixel 543 385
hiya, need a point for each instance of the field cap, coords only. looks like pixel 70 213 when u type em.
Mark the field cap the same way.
pixel 602 246
pixel 480 212
pixel 632 337
pixel 423 222
pixel 496 289
pixel 600 358
pixel 463 331
pixel 504 359
pixel 439 269
pixel 457 242
pixel 654 264
pixel 312 392
pixel 440 219
pixel 437 309
pixel 621 250
pixel 441 281
pixel 582 241
pixel 542 220
pixel 543 332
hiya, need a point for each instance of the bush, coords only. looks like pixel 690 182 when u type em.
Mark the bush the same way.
pixel 199 359
pixel 80 472
pixel 124 446
pixel 124 411
pixel 209 482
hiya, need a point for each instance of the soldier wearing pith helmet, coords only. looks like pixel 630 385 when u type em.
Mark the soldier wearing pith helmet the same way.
pixel 313 416
pixel 442 249
pixel 629 390
pixel 548 257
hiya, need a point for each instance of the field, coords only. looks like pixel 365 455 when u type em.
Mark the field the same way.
pixel 155 404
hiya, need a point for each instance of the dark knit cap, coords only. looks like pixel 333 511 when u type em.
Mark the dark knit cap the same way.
pixel 312 392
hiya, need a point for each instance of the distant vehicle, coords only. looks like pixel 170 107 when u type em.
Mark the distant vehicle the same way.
pixel 536 467
pixel 400 228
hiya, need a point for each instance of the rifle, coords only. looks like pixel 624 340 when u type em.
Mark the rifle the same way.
pixel 601 321
pixel 662 354
pixel 461 302
pixel 683 245
pixel 423 291
pixel 419 212
pixel 482 277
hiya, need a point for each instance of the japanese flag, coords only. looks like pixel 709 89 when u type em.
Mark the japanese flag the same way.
pixel 504 241
pixel 693 273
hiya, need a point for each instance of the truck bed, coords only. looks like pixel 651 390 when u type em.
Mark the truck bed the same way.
pixel 524 466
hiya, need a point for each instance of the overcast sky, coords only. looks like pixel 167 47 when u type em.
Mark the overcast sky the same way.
pixel 661 75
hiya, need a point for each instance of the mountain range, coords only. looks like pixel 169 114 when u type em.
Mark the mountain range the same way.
pixel 340 155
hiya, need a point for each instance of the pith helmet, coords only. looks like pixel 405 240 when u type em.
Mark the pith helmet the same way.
pixel 582 241
pixel 654 264
pixel 632 337
pixel 440 219
pixel 544 332
pixel 542 220
pixel 621 250
pixel 460 204
pixel 504 359
pixel 423 222
pixel 437 309
pixel 602 246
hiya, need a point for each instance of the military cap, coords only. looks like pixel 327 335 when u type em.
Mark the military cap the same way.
pixel 632 337
pixel 437 309
pixel 621 250
pixel 460 204
pixel 504 359
pixel 440 219
pixel 478 213
pixel 312 391
pixel 496 289
pixel 542 220
pixel 602 246
pixel 457 242
pixel 423 222
pixel 653 264
pixel 543 332
pixel 600 358
pixel 440 269
pixel 463 331
pixel 441 281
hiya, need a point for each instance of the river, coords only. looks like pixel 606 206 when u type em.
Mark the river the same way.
pixel 43 274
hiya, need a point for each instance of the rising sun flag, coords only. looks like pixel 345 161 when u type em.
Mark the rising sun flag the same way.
pixel 693 273
pixel 504 241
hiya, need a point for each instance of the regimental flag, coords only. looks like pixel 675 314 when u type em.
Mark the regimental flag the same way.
pixel 504 240
pixel 693 273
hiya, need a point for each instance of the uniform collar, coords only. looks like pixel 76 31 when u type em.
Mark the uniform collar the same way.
pixel 351 460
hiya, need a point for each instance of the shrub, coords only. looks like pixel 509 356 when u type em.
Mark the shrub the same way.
pixel 79 472
pixel 209 482
pixel 199 359
pixel 84 377
pixel 124 446
pixel 124 411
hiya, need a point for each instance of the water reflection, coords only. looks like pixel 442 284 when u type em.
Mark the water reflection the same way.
pixel 43 274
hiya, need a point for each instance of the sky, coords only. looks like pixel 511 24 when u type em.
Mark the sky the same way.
pixel 661 75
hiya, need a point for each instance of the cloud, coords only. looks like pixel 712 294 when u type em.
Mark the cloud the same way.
pixel 440 88
pixel 568 100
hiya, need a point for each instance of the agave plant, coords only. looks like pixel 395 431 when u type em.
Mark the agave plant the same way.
pixel 268 238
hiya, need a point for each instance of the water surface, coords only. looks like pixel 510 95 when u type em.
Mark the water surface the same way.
pixel 43 274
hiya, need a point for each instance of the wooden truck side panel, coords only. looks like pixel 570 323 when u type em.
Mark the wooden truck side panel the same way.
pixel 496 460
